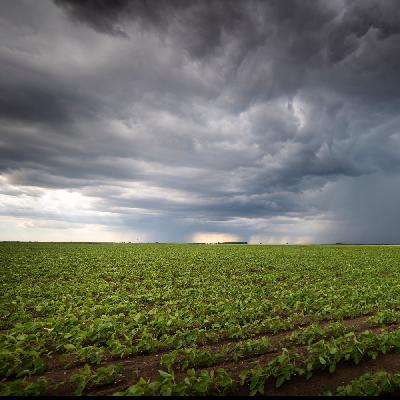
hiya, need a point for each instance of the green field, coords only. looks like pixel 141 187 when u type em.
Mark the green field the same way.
pixel 198 319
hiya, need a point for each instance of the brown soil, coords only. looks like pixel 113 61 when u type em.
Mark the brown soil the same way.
pixel 345 372
pixel 59 361
pixel 148 365
pixel 343 375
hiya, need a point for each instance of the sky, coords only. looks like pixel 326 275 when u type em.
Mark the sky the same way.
pixel 180 121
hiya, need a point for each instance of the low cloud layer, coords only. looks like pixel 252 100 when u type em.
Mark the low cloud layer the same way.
pixel 267 121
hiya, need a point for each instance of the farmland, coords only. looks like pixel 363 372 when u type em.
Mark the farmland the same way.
pixel 143 319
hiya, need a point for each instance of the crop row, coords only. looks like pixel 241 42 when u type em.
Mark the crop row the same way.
pixel 320 356
pixel 81 380
pixel 371 384
pixel 22 353
pixel 189 357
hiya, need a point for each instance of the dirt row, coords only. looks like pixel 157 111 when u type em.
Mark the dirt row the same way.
pixel 344 374
pixel 147 366
pixel 56 362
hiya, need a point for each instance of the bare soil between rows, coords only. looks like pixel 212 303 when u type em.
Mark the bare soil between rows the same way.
pixel 55 362
pixel 147 366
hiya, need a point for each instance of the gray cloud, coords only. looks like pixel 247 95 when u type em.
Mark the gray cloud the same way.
pixel 178 117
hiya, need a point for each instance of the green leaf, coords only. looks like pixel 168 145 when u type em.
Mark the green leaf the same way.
pixel 280 380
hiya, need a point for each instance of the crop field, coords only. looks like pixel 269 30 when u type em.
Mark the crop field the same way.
pixel 158 319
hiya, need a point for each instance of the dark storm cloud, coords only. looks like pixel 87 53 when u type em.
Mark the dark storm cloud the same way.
pixel 210 115
pixel 33 105
pixel 200 26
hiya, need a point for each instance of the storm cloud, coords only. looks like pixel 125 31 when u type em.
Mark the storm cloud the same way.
pixel 266 121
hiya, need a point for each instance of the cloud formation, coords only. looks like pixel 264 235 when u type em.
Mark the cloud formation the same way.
pixel 263 120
